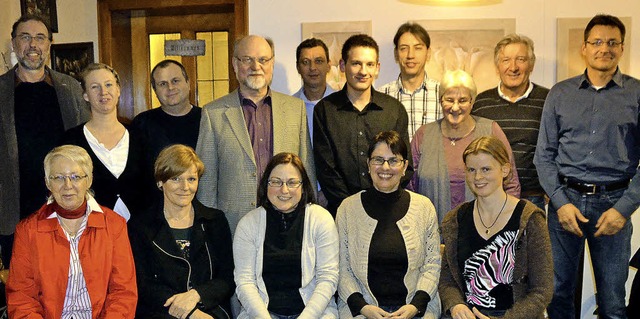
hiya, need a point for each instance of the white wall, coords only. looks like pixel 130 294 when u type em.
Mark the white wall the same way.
pixel 281 20
pixel 77 22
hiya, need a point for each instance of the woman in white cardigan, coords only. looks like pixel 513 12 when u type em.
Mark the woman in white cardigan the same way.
pixel 286 250
pixel 389 243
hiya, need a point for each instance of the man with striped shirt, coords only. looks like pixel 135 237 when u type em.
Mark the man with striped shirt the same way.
pixel 413 88
pixel 516 104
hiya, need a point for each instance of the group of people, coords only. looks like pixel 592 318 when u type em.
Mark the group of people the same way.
pixel 420 199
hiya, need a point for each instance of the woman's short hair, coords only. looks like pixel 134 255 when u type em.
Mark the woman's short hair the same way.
pixel 492 146
pixel 308 195
pixel 393 140
pixel 73 153
pixel 94 67
pixel 175 160
pixel 458 79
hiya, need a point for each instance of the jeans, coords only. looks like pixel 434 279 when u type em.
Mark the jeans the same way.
pixel 537 200
pixel 609 256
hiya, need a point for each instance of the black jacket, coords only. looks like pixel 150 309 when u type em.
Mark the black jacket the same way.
pixel 162 272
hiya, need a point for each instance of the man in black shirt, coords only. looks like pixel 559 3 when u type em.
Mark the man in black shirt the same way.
pixel 345 122
pixel 176 121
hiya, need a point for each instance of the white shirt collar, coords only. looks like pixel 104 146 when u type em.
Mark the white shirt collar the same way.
pixel 524 96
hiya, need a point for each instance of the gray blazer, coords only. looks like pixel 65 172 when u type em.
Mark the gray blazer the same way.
pixel 75 111
pixel 230 180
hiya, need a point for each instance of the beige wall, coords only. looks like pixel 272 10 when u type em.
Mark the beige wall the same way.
pixel 77 22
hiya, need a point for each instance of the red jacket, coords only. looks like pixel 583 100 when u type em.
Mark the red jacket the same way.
pixel 40 266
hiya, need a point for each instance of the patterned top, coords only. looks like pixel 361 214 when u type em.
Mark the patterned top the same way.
pixel 489 264
pixel 422 105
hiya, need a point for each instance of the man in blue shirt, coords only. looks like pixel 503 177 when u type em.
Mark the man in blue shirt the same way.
pixel 587 161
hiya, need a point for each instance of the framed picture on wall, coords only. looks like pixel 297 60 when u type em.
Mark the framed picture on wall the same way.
pixel 43 8
pixel 71 58
pixel 467 45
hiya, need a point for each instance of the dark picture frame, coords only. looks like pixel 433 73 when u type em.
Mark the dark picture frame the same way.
pixel 43 8
pixel 71 58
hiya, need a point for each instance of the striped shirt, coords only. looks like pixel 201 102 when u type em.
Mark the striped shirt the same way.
pixel 422 105
pixel 520 122
pixel 77 304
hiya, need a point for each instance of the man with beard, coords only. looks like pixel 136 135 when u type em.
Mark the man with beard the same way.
pixel 240 132
pixel 345 122
pixel 38 105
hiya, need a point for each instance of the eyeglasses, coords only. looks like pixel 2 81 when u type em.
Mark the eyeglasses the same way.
pixel 610 43
pixel 292 183
pixel 247 60
pixel 61 179
pixel 463 102
pixel 308 62
pixel 393 162
pixel 26 38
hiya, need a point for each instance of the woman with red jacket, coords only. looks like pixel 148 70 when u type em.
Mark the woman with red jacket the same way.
pixel 71 258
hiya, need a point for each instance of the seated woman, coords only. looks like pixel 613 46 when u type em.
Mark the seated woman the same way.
pixel 437 147
pixel 286 250
pixel 389 243
pixel 71 258
pixel 497 257
pixel 182 248
pixel 118 175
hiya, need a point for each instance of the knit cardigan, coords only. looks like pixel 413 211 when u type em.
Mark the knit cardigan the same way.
pixel 432 174
pixel 319 264
pixel 532 275
pixel 419 229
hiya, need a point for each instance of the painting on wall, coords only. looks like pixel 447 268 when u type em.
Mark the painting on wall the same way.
pixel 43 8
pixel 334 34
pixel 569 47
pixel 468 45
pixel 71 58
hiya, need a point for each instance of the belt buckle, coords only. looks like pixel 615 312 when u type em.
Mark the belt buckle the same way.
pixel 593 191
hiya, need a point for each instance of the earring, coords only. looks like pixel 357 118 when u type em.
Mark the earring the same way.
pixel 159 185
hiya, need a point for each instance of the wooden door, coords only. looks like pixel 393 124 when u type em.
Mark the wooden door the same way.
pixel 125 28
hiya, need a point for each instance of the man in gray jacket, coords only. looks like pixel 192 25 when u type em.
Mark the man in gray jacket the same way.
pixel 38 105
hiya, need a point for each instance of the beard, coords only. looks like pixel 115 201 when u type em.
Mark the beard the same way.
pixel 255 81
pixel 28 64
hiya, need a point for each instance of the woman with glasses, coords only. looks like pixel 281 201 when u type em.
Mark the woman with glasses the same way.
pixel 118 174
pixel 286 250
pixel 437 147
pixel 497 257
pixel 182 248
pixel 389 243
pixel 71 258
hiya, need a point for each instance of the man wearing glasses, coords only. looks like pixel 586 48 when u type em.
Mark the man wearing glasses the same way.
pixel 587 161
pixel 38 105
pixel 240 132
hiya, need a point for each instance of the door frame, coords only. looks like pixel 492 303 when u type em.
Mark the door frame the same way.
pixel 115 37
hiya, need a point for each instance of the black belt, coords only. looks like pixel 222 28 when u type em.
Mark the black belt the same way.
pixel 591 189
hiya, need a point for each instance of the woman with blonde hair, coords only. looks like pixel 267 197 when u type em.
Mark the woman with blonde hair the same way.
pixel 437 147
pixel 71 258
pixel 497 256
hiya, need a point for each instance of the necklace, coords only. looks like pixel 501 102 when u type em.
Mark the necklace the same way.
pixel 67 229
pixel 453 140
pixel 496 220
